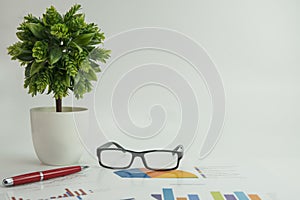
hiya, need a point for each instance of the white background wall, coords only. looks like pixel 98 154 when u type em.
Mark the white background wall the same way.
pixel 255 45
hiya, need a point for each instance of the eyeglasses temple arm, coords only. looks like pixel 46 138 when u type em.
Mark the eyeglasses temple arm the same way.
pixel 108 144
pixel 179 149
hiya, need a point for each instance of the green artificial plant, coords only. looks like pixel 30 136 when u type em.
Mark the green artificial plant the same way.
pixel 59 53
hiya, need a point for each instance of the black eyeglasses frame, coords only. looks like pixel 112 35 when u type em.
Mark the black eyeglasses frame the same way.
pixel 177 150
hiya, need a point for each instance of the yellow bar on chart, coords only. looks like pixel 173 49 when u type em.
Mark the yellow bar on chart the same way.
pixel 181 198
pixel 171 174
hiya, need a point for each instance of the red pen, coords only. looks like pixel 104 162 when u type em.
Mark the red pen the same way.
pixel 43 175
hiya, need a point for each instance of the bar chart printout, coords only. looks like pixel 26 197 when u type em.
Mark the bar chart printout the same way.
pixel 235 196
pixel 168 194
pixel 68 193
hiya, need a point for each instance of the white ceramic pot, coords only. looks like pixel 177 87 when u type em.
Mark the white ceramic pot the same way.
pixel 56 135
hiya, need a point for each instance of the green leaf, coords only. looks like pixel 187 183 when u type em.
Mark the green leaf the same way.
pixel 55 55
pixel 36 67
pixel 51 17
pixel 95 66
pixel 68 81
pixel 105 55
pixel 27 70
pixel 85 66
pixel 91 75
pixel 84 39
pixel 99 37
pixel 99 54
pixel 77 46
pixel 25 55
pixel 36 29
pixel 21 35
pixel 72 11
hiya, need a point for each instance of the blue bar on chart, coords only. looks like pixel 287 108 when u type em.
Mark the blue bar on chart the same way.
pixel 241 196
pixel 230 197
pixel 168 194
pixel 193 197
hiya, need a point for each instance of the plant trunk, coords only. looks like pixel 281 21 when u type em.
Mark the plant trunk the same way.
pixel 58 105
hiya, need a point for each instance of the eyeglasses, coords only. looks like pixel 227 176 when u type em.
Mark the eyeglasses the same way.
pixel 121 158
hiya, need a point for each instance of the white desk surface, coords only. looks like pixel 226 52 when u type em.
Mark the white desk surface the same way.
pixel 281 170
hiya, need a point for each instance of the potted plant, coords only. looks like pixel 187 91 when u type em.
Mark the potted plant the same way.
pixel 60 55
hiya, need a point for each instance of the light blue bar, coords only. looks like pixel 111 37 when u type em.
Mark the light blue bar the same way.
pixel 168 194
pixel 193 197
pixel 241 196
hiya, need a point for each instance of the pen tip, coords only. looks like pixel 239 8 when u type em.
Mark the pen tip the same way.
pixel 84 167
pixel 8 182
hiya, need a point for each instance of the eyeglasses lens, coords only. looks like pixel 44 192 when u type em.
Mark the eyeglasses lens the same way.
pixel 115 158
pixel 161 160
